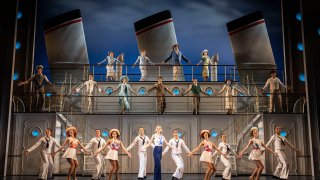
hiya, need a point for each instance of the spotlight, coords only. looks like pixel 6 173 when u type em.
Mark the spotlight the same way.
pixel 300 46
pixel 298 16
pixel 15 76
pixel 283 133
pixel 18 45
pixel 19 14
pixel 302 77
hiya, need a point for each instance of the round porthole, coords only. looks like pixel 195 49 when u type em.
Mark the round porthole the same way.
pixel 176 91
pixel 284 133
pixel 35 132
pixel 105 133
pixel 209 91
pixel 108 90
pixel 214 133
pixel 142 91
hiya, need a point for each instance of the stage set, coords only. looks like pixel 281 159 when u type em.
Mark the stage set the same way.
pixel 104 90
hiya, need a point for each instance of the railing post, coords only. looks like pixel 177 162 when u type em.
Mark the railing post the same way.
pixel 248 84
pixel 126 70
pixel 225 73
pixel 159 67
pixel 234 73
pixel 192 72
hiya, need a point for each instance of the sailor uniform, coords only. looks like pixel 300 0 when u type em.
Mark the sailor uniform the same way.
pixel 226 149
pixel 142 153
pixel 110 66
pixel 90 85
pixel 230 92
pixel 176 58
pixel 196 90
pixel 275 92
pixel 158 141
pixel 143 61
pixel 46 168
pixel 95 144
pixel 176 155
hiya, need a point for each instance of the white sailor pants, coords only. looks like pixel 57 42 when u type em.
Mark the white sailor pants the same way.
pixel 282 169
pixel 180 165
pixel 143 70
pixel 47 165
pixel 226 174
pixel 142 164
pixel 98 168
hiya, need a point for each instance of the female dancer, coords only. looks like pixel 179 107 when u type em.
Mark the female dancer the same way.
pixel 158 139
pixel 124 94
pixel 112 154
pixel 205 61
pixel 71 152
pixel 256 152
pixel 206 155
pixel 110 65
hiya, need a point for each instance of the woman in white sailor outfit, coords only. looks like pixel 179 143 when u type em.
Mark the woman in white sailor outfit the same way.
pixel 142 140
pixel 206 156
pixel 110 65
pixel 158 139
pixel 71 153
pixel 112 155
pixel 226 149
pixel 47 143
pixel 256 152
pixel 177 143
pixel 143 61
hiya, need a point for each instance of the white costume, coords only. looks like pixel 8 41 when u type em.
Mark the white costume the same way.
pixel 256 152
pixel 47 165
pixel 90 85
pixel 95 144
pixel 206 155
pixel 143 61
pixel 71 152
pixel 275 91
pixel 282 170
pixel 176 155
pixel 230 92
pixel 226 149
pixel 113 152
pixel 142 153
pixel 110 66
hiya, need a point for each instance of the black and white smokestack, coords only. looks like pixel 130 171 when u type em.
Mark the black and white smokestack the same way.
pixel 251 46
pixel 156 35
pixel 66 44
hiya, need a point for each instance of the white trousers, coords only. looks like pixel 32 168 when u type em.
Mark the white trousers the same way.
pixel 142 164
pixel 46 167
pixel 98 168
pixel 176 73
pixel 180 165
pixel 143 70
pixel 282 169
pixel 226 174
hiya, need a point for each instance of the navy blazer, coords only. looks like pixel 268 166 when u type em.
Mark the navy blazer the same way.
pixel 176 58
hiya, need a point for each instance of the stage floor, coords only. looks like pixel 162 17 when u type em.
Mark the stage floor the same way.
pixel 164 177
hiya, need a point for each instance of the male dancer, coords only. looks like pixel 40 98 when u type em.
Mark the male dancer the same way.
pixel 46 142
pixel 143 61
pixel 90 85
pixel 195 88
pixel 176 152
pixel 275 90
pixel 176 56
pixel 161 101
pixel 94 144
pixel 282 170
pixel 38 88
pixel 142 140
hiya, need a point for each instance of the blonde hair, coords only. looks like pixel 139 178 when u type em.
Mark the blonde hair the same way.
pixel 158 126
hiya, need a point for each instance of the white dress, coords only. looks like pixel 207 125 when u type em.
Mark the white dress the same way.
pixel 113 152
pixel 71 152
pixel 256 152
pixel 206 155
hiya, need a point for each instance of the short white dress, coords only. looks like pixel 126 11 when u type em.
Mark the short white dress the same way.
pixel 206 155
pixel 256 152
pixel 113 152
pixel 71 152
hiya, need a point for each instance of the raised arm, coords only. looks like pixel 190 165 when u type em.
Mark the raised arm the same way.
pixel 200 62
pixel 249 143
pixel 151 89
pixel 203 92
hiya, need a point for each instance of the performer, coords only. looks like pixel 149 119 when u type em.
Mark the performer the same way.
pixel 161 101
pixel 112 154
pixel 38 88
pixel 47 143
pixel 195 88
pixel 282 170
pixel 90 85
pixel 214 68
pixel 206 156
pixel 226 149
pixel 176 56
pixel 143 61
pixel 230 92
pixel 96 143
pixel 110 65
pixel 124 94
pixel 275 91
pixel 142 140
pixel 205 62
pixel 71 152
pixel 256 152
pixel 176 153
pixel 158 139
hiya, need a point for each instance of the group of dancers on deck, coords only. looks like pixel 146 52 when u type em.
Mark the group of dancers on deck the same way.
pixel 157 140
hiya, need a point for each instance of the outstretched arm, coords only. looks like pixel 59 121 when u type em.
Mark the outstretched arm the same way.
pixel 151 89
pixel 217 149
pixel 102 148
pixel 47 80
pixel 133 91
pixel 266 85
pixel 138 59
pixel 34 146
pixel 168 58
pixel 185 59
pixel 167 89
pixel 150 142
pixel 189 89
pixel 26 82
pixel 65 142
pixel 104 60
pixel 196 149
pixel 270 150
pixel 223 89
pixel 132 144
pixel 149 61
pixel 124 149
pixel 287 142
pixel 249 143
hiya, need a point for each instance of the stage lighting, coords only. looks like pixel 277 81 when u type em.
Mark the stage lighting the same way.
pixel 108 90
pixel 283 133
pixel 176 91
pixel 18 45
pixel 302 77
pixel 214 132
pixel 35 132
pixel 15 76
pixel 19 14
pixel 300 46
pixel 48 94
pixel 105 133
pixel 142 91
pixel 298 16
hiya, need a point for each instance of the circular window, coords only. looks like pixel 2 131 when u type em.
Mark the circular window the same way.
pixel 283 133
pixel 105 133
pixel 176 91
pixel 142 91
pixel 209 91
pixel 35 132
pixel 108 90
pixel 214 133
